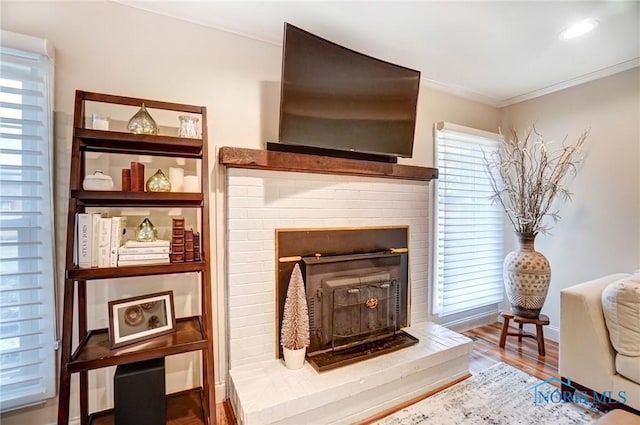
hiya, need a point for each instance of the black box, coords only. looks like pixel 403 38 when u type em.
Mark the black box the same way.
pixel 139 393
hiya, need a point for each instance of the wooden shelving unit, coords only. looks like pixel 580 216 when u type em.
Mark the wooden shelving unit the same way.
pixel 92 350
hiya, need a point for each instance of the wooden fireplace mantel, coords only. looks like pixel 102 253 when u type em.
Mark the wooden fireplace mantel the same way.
pixel 234 157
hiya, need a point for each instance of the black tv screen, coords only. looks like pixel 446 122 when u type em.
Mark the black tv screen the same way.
pixel 335 98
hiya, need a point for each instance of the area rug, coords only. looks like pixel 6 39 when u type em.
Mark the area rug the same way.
pixel 499 395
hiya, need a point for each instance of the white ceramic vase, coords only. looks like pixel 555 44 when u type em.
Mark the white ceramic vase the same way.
pixel 294 359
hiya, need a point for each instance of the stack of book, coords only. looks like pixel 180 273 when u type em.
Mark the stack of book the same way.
pixel 97 239
pixel 134 253
pixel 177 240
pixel 185 243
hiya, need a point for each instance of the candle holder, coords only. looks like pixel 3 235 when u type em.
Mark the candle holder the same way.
pixel 188 126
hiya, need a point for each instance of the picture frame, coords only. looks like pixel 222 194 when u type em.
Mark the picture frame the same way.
pixel 140 318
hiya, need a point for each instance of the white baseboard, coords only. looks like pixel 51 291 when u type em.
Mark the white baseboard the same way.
pixel 221 392
pixel 471 322
pixel 552 332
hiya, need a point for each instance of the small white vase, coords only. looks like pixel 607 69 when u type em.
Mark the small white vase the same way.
pixel 294 359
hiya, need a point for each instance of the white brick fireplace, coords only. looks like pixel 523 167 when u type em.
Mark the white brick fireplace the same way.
pixel 259 201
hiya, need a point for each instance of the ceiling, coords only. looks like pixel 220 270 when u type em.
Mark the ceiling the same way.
pixel 496 52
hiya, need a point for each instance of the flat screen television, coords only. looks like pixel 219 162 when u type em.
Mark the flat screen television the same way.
pixel 334 98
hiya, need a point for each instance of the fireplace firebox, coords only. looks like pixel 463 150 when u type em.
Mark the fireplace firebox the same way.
pixel 357 301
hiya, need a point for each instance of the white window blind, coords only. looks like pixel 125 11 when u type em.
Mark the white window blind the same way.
pixel 470 228
pixel 27 313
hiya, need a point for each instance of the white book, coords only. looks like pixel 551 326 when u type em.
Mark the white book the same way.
pixel 75 242
pixel 94 239
pixel 85 226
pixel 142 262
pixel 123 250
pixel 130 257
pixel 117 232
pixel 159 242
pixel 104 242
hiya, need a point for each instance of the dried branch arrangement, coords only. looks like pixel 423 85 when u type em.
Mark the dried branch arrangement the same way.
pixel 528 174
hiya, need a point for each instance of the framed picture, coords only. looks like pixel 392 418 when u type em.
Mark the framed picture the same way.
pixel 137 319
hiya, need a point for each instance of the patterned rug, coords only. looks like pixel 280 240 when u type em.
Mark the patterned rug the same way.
pixel 499 395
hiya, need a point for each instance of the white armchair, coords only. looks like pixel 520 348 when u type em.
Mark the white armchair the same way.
pixel 586 354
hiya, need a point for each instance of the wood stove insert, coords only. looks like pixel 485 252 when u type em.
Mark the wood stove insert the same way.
pixel 357 291
pixel 357 304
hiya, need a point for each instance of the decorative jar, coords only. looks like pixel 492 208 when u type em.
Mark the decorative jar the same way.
pixel 97 181
pixel 146 231
pixel 142 123
pixel 159 182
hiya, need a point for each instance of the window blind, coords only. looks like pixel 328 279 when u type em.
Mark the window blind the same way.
pixel 470 228
pixel 27 313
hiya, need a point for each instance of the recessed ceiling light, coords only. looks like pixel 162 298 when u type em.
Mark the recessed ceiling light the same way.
pixel 580 28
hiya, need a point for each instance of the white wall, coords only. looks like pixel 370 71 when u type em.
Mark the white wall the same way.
pixel 110 48
pixel 599 232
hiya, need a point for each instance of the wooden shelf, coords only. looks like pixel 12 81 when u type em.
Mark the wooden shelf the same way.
pixel 183 408
pixel 137 101
pixel 297 162
pixel 92 348
pixel 132 271
pixel 94 352
pixel 140 144
pixel 110 198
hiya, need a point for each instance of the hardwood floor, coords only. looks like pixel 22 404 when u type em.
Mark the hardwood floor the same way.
pixel 521 355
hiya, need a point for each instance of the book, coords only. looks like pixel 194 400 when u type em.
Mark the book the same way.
pixel 124 250
pixel 177 240
pixel 75 242
pixel 118 230
pixel 94 238
pixel 129 257
pixel 188 245
pixel 196 246
pixel 137 177
pixel 143 262
pixel 159 242
pixel 84 229
pixel 177 257
pixel 104 241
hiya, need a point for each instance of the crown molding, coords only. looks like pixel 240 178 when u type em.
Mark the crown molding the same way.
pixel 462 92
pixel 601 73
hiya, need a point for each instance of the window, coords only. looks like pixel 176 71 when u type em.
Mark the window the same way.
pixel 27 314
pixel 470 228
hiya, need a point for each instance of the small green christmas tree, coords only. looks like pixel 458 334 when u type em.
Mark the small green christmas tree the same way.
pixel 294 334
